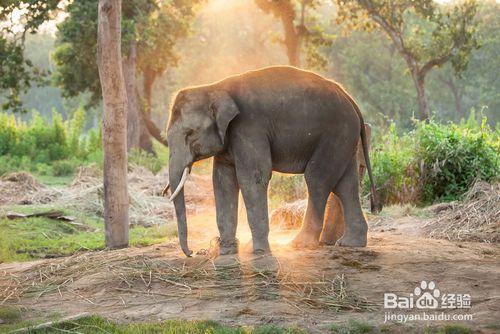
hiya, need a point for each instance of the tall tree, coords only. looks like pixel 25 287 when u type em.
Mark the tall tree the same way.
pixel 150 32
pixel 17 73
pixel 426 34
pixel 297 33
pixel 109 54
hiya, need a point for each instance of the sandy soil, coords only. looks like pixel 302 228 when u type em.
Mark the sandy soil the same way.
pixel 158 282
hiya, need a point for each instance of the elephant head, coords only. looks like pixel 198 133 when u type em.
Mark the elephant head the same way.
pixel 197 129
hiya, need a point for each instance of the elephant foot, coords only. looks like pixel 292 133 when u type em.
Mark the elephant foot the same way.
pixel 260 248
pixel 218 247
pixel 229 248
pixel 305 240
pixel 265 263
pixel 224 261
pixel 327 240
pixel 352 240
pixel 257 248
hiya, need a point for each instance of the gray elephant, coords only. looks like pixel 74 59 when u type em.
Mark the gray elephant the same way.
pixel 273 119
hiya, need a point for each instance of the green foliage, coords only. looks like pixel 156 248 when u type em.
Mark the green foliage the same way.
pixel 451 329
pixel 453 156
pixel 435 161
pixel 16 71
pixel 96 324
pixel 352 327
pixel 9 315
pixel 154 27
pixel 391 158
pixel 48 147
pixel 145 159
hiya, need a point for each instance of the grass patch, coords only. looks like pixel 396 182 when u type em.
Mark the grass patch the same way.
pixel 96 324
pixel 37 238
pixel 9 315
pixel 404 210
pixel 50 180
pixel 451 329
pixel 352 327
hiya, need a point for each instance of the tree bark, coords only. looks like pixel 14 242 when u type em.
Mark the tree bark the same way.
pixel 423 104
pixel 116 201
pixel 292 40
pixel 130 75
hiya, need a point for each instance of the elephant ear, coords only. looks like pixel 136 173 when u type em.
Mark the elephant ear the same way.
pixel 224 110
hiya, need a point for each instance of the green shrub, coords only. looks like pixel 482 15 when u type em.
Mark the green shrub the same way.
pixel 452 157
pixel 64 167
pixel 46 147
pixel 145 159
pixel 44 169
pixel 435 162
pixel 391 158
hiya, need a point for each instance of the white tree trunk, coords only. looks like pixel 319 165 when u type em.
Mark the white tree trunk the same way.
pixel 116 201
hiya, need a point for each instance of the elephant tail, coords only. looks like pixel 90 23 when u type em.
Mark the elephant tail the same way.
pixel 375 205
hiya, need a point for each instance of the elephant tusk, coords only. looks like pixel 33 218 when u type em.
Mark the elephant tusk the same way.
pixel 164 191
pixel 184 177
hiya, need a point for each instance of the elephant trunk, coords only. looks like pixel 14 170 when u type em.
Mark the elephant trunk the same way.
pixel 177 178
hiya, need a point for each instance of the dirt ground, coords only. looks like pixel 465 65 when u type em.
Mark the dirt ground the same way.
pixel 308 288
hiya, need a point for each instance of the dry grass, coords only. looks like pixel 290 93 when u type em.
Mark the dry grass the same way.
pixel 118 272
pixel 289 216
pixel 475 218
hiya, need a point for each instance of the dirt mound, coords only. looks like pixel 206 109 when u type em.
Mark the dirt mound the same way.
pixel 17 188
pixel 289 216
pixel 475 218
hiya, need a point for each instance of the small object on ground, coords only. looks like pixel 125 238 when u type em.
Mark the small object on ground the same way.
pixel 57 215
pixel 51 323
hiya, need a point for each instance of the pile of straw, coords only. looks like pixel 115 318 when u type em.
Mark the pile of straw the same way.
pixel 289 216
pixel 14 187
pixel 475 218
pixel 147 206
pixel 120 272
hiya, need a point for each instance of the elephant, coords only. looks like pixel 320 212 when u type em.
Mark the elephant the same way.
pixel 277 118
pixel 333 225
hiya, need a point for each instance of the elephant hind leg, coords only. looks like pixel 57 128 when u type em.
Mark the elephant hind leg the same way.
pixel 355 227
pixel 333 225
pixel 322 173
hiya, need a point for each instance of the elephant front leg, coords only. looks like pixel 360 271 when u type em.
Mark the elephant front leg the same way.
pixel 226 193
pixel 253 179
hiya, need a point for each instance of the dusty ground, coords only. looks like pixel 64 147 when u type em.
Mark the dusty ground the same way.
pixel 308 288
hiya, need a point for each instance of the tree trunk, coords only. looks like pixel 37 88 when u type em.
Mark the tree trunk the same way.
pixel 154 131
pixel 129 74
pixel 423 105
pixel 292 41
pixel 145 142
pixel 116 201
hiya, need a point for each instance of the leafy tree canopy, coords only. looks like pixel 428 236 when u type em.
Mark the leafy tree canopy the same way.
pixel 426 34
pixel 17 72
pixel 155 27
